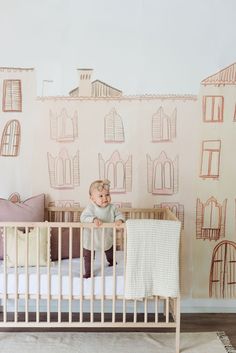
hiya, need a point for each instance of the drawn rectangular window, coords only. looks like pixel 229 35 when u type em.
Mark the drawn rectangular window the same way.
pixel 12 96
pixel 210 159
pixel 213 108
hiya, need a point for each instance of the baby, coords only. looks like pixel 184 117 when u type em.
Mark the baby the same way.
pixel 99 210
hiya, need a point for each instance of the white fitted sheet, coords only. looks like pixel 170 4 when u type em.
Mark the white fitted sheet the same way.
pixel 65 283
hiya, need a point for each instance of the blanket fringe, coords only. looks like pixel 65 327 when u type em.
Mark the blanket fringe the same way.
pixel 226 342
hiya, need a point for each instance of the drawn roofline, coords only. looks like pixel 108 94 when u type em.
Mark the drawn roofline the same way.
pixel 187 97
pixel 102 82
pixel 8 68
pixel 211 81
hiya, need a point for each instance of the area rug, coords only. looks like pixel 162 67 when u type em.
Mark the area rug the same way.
pixel 118 342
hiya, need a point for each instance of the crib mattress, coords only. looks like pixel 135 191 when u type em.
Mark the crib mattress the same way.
pixel 67 287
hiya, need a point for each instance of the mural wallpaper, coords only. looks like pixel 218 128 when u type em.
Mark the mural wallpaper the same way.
pixel 157 150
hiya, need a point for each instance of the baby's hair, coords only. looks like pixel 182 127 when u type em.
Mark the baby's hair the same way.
pixel 99 185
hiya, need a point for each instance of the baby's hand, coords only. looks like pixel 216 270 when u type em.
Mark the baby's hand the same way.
pixel 97 222
pixel 118 223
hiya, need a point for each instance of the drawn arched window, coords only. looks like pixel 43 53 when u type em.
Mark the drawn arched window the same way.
pixel 63 128
pixel 12 96
pixel 210 159
pixel 113 127
pixel 63 170
pixel 116 174
pixel 222 281
pixel 162 175
pixel 163 126
pixel 212 215
pixel 10 142
pixel 213 109
pixel 117 171
pixel 210 220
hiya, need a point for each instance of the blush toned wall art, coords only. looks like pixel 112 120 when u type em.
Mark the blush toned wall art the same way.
pixel 210 159
pixel 162 175
pixel 222 281
pixel 10 141
pixel 167 150
pixel 12 96
pixel 118 171
pixel 163 126
pixel 64 170
pixel 63 127
pixel 64 216
pixel 213 109
pixel 113 127
pixel 210 219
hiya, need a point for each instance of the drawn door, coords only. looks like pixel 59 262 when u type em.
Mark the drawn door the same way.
pixel 223 271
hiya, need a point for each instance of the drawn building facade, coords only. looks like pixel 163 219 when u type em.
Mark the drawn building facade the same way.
pixel 144 144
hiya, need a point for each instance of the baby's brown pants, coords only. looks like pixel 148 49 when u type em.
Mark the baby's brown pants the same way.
pixel 87 260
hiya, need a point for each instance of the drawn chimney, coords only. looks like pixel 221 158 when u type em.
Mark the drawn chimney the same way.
pixel 85 87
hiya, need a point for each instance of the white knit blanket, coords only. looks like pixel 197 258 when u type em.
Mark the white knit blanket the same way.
pixel 152 266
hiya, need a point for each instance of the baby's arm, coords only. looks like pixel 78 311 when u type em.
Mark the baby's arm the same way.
pixel 88 216
pixel 119 218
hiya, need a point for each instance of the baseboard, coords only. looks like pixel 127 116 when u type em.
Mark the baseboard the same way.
pixel 208 306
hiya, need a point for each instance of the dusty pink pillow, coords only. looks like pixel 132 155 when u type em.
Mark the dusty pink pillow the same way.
pixel 65 243
pixel 31 210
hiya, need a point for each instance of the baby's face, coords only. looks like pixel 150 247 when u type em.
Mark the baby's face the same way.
pixel 101 198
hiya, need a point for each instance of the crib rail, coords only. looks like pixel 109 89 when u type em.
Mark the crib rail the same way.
pixel 26 292
pixel 72 214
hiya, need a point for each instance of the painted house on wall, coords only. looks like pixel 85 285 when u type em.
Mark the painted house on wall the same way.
pixel 157 150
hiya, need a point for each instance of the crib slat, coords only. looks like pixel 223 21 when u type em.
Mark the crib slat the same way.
pixel 5 275
pixel 145 310
pixel 102 275
pixel 70 274
pixel 156 309
pixel 38 277
pixel 48 282
pixel 135 311
pixel 124 301
pixel 27 274
pixel 16 275
pixel 114 276
pixel 81 276
pixel 167 310
pixel 92 277
pixel 59 276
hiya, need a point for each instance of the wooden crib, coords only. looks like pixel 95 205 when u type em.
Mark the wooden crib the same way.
pixel 55 294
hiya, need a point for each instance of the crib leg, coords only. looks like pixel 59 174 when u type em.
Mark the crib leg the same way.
pixel 177 332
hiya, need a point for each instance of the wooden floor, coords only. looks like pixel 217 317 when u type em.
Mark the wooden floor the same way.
pixel 210 322
pixel 189 323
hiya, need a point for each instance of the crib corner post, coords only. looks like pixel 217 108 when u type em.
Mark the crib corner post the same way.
pixel 177 332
